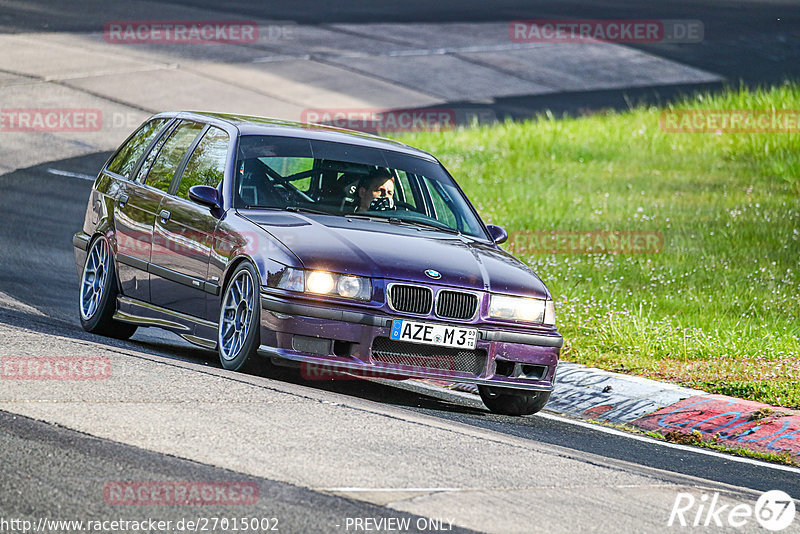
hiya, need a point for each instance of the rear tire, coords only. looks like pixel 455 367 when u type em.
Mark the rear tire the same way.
pixel 98 294
pixel 506 401
pixel 238 333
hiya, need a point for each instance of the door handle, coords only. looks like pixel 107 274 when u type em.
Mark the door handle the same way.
pixel 165 215
pixel 123 199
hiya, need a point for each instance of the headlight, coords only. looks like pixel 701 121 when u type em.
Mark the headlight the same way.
pixel 338 285
pixel 353 286
pixel 325 283
pixel 320 282
pixel 522 309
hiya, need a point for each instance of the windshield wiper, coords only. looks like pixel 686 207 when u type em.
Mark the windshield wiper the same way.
pixel 410 222
pixel 362 217
pixel 302 209
pixel 424 224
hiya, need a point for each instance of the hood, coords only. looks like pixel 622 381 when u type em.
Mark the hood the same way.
pixel 398 252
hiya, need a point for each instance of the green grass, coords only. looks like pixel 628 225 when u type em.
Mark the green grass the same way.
pixel 719 307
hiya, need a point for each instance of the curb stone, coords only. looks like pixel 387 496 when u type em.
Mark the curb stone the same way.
pixel 588 393
pixel 591 393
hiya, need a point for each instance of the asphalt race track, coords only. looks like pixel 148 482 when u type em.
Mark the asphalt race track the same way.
pixel 333 456
pixel 52 452
pixel 754 42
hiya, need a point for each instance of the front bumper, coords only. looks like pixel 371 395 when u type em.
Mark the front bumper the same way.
pixel 327 340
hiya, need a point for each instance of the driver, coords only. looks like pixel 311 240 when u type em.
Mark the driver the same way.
pixel 376 191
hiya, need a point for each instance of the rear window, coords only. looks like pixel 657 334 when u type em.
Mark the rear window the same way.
pixel 124 161
pixel 169 157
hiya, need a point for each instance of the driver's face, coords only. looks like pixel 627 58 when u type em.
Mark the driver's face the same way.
pixel 377 189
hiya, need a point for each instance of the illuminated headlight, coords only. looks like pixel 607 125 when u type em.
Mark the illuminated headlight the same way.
pixel 338 285
pixel 326 283
pixel 320 282
pixel 525 309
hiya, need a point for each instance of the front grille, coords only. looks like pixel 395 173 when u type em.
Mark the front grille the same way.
pixel 411 299
pixel 387 350
pixel 456 304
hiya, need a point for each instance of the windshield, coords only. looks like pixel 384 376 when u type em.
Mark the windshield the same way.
pixel 338 179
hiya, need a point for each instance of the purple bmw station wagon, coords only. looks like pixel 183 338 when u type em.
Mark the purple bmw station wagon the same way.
pixel 311 246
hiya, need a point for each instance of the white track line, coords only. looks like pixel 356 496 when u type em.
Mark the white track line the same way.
pixel 9 302
pixel 71 174
pixel 394 490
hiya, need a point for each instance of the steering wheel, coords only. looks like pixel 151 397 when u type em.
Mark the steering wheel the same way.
pixel 400 205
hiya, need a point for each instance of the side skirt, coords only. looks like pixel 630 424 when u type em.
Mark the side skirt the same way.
pixel 193 329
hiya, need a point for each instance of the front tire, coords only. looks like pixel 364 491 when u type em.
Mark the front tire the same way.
pixel 98 297
pixel 509 402
pixel 238 335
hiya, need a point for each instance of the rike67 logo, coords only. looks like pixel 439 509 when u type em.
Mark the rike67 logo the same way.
pixel 774 511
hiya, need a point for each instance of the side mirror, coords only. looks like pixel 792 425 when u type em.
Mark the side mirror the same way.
pixel 205 195
pixel 498 233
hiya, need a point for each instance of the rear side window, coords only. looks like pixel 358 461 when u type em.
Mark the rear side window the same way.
pixel 207 164
pixel 171 154
pixel 124 161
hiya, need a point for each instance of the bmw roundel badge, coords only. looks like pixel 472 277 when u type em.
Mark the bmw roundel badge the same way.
pixel 430 273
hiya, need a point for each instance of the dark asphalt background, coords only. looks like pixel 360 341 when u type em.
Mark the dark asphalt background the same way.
pixel 753 42
pixel 61 474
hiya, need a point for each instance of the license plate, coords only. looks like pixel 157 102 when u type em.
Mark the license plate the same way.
pixel 434 334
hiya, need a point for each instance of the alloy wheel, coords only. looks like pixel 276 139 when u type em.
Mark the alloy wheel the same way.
pixel 236 314
pixel 95 274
